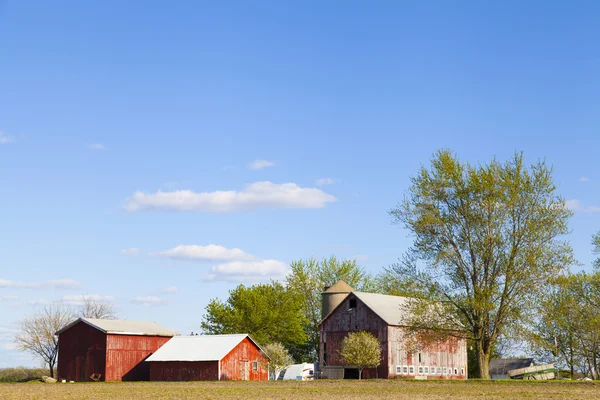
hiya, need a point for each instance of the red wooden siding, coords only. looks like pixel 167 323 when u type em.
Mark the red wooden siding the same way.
pixel 81 352
pixel 125 355
pixel 232 364
pixel 341 322
pixel 184 371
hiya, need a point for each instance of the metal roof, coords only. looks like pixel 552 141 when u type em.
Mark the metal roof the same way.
pixel 339 287
pixel 123 327
pixel 501 366
pixel 392 309
pixel 198 348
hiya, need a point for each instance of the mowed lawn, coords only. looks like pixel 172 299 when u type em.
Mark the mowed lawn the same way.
pixel 325 389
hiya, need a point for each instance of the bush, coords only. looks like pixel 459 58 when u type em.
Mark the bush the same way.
pixel 22 374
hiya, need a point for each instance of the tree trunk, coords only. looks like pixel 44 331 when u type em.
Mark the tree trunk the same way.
pixel 51 366
pixel 483 357
pixel 359 374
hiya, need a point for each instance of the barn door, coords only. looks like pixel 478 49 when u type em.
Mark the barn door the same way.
pixel 244 370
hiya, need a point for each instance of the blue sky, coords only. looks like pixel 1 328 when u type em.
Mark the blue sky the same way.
pixel 131 128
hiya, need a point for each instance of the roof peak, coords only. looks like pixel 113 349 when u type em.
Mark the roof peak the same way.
pixel 339 287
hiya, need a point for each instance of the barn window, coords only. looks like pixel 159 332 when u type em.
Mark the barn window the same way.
pixel 455 371
pixel 325 353
pixel 439 370
pixel 255 366
pixel 419 357
pixel 462 371
pixel 398 369
pixel 426 371
pixel 405 370
pixel 420 370
pixel 432 370
pixel 411 370
pixel 445 371
pixel 352 303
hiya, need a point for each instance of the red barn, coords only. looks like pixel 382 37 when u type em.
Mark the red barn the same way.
pixel 114 350
pixel 403 354
pixel 209 357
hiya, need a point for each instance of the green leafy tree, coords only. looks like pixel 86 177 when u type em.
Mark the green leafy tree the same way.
pixel 279 358
pixel 308 278
pixel 486 242
pixel 596 249
pixel 362 350
pixel 268 312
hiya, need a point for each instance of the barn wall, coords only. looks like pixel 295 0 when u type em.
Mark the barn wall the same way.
pixel 184 371
pixel 406 350
pixel 81 352
pixel 342 321
pixel 232 365
pixel 125 355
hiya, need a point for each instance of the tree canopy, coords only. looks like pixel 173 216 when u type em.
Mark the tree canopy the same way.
pixel 486 241
pixel 268 312
pixel 362 350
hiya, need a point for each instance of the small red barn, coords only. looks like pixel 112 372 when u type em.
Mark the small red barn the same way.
pixel 113 349
pixel 209 357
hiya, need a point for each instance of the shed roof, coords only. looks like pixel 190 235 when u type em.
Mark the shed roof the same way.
pixel 340 287
pixel 123 327
pixel 501 366
pixel 199 348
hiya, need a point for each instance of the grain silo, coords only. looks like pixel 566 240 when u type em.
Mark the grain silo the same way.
pixel 333 296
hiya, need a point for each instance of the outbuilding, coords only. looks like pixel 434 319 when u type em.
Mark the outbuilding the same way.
pixel 209 357
pixel 403 354
pixel 499 367
pixel 108 350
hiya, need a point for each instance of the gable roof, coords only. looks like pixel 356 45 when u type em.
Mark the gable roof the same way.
pixel 339 287
pixel 123 327
pixel 391 309
pixel 501 366
pixel 199 348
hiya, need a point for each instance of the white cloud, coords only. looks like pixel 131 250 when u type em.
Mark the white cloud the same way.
pixel 148 301
pixel 361 258
pixel 52 284
pixel 132 251
pixel 6 139
pixel 8 298
pixel 584 179
pixel 96 146
pixel 254 196
pixel 576 205
pixel 78 300
pixel 170 290
pixel 212 252
pixel 260 164
pixel 324 181
pixel 239 271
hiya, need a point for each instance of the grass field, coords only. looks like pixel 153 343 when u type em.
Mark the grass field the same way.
pixel 368 389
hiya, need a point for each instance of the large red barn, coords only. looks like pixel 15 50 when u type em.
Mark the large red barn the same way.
pixel 403 354
pixel 113 350
pixel 209 357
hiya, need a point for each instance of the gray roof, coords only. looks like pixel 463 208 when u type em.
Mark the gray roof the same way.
pixel 392 309
pixel 123 327
pixel 198 348
pixel 501 366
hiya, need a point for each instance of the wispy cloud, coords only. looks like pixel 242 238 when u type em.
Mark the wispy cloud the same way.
pixel 149 301
pixel 52 284
pixel 324 181
pixel 78 300
pixel 8 298
pixel 131 251
pixel 170 290
pixel 254 196
pixel 6 139
pixel 584 179
pixel 211 252
pixel 260 164
pixel 576 205
pixel 242 271
pixel 96 146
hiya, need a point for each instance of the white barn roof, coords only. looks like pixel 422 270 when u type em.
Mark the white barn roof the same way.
pixel 392 309
pixel 198 348
pixel 123 327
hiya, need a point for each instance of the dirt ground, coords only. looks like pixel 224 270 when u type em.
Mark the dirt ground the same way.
pixel 325 389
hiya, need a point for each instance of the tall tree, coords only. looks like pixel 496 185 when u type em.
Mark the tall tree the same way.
pixel 37 333
pixel 92 308
pixel 279 358
pixel 486 241
pixel 268 312
pixel 308 278
pixel 362 350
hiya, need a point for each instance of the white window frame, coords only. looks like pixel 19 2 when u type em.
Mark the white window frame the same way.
pixel 405 370
pixel 254 365
pixel 445 371
pixel 455 371
pixel 411 370
pixel 431 370
pixel 420 369
pixel 426 370
pixel 462 371
pixel 439 370
pixel 398 369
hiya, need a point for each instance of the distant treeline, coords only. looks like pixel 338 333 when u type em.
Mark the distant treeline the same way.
pixel 22 374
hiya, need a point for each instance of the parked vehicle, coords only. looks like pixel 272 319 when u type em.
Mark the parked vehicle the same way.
pixel 298 372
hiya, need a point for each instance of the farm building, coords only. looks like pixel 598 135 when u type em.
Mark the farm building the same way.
pixel 345 311
pixel 499 367
pixel 108 350
pixel 209 357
